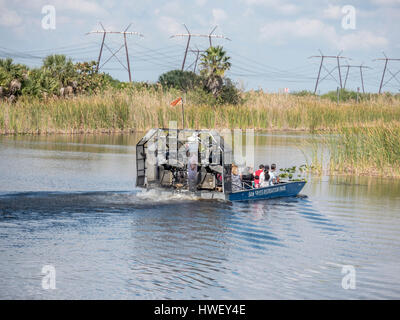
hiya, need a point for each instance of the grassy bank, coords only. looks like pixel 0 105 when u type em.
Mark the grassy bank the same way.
pixel 365 136
pixel 116 111
pixel 366 150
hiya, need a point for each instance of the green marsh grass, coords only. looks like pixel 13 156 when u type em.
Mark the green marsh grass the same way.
pixel 364 137
pixel 367 150
pixel 116 111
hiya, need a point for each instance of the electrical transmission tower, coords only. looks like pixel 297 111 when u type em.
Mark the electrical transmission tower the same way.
pixel 194 63
pixel 113 53
pixel 323 57
pixel 361 67
pixel 190 35
pixel 210 35
pixel 386 59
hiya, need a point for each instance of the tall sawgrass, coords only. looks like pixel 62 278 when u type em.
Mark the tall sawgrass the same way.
pixel 364 138
pixel 119 110
pixel 372 150
pixel 366 150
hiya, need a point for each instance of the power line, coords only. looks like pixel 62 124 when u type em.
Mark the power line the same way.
pixel 322 56
pixel 197 52
pixel 124 33
pixel 361 74
pixel 266 69
pixel 163 58
pixel 190 35
pixel 386 59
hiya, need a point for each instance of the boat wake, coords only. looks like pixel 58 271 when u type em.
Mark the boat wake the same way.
pixel 98 201
pixel 161 195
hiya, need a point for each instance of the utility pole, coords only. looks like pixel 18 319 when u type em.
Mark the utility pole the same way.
pixel 362 78
pixel 383 75
pixel 361 74
pixel 197 52
pixel 101 48
pixel 127 55
pixel 347 74
pixel 187 47
pixel 113 53
pixel 323 57
pixel 337 95
pixel 319 73
pixel 209 35
pixel 190 35
pixel 386 59
pixel 197 58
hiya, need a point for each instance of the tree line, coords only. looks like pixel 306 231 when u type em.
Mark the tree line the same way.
pixel 59 77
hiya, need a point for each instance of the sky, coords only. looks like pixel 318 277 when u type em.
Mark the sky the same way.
pixel 270 44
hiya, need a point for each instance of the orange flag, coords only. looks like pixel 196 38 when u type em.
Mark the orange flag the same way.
pixel 176 101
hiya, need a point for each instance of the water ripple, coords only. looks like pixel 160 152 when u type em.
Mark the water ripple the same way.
pixel 128 243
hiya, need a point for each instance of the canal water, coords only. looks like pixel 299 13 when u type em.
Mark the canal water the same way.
pixel 68 204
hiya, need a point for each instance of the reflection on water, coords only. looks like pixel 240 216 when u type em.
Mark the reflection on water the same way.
pixel 70 201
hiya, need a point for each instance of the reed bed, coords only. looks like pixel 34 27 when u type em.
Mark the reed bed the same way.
pixel 121 111
pixel 364 137
pixel 366 150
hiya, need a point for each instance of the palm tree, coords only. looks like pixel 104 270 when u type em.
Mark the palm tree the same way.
pixel 214 62
pixel 11 77
pixel 60 68
pixel 12 69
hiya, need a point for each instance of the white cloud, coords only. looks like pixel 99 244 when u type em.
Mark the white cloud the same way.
pixel 200 21
pixel 219 15
pixel 277 5
pixel 201 3
pixel 248 12
pixel 169 25
pixel 108 4
pixel 386 2
pixel 332 12
pixel 361 40
pixel 80 6
pixel 287 8
pixel 8 18
pixel 172 8
pixel 259 2
pixel 280 32
pixel 284 31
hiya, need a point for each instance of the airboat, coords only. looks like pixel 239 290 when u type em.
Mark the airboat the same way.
pixel 197 162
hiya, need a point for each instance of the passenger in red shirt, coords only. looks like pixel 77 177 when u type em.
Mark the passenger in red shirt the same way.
pixel 257 176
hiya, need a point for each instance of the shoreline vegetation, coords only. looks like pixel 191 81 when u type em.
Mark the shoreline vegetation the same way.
pixel 362 138
pixel 139 109
pixel 361 132
pixel 365 150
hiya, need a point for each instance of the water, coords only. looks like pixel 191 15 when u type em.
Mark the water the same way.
pixel 70 202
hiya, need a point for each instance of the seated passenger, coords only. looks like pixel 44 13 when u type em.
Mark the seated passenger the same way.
pixel 274 178
pixel 257 176
pixel 247 178
pixel 236 183
pixel 265 177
